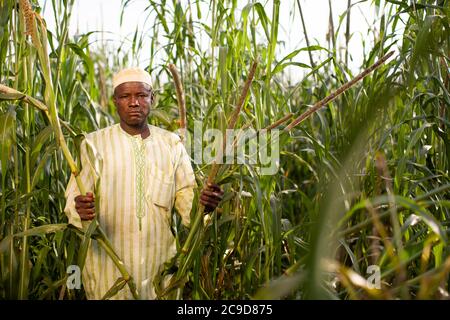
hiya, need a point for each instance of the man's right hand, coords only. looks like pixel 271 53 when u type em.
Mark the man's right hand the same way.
pixel 85 206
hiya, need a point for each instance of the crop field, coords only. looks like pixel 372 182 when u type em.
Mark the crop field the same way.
pixel 352 201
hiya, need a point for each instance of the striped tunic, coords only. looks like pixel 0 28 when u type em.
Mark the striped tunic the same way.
pixel 136 183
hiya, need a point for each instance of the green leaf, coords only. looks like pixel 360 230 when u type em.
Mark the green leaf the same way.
pixel 37 231
pixel 279 288
pixel 117 286
pixel 424 215
pixel 261 14
pixel 281 65
pixel 40 140
pixel 86 243
pixel 41 165
pixel 6 139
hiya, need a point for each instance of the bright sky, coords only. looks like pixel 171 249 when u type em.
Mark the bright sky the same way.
pixel 89 15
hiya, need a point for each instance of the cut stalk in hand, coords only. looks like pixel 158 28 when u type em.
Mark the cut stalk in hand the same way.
pixel 279 122
pixel 190 245
pixel 270 127
pixel 338 92
pixel 180 99
pixel 233 120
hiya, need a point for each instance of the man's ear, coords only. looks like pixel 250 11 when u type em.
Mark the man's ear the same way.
pixel 152 98
pixel 114 100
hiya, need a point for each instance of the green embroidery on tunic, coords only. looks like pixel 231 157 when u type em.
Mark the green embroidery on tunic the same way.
pixel 139 161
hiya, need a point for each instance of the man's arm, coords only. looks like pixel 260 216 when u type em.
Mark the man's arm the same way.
pixel 184 184
pixel 72 191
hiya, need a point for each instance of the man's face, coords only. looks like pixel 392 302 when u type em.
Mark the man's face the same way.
pixel 133 101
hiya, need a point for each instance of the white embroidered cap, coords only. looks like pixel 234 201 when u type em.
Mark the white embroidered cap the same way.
pixel 132 75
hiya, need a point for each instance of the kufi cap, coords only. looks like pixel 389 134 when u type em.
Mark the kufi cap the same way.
pixel 132 75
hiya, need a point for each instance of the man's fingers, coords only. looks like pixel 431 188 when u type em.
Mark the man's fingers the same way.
pixel 208 198
pixel 208 207
pixel 218 190
pixel 86 211
pixel 213 194
pixel 84 205
pixel 209 202
pixel 81 198
pixel 214 187
pixel 87 216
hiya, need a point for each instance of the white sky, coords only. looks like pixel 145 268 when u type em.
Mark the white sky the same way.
pixel 90 15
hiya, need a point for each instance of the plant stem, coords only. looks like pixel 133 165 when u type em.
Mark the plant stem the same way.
pixel 306 35
pixel 338 92
pixel 347 31
pixel 180 99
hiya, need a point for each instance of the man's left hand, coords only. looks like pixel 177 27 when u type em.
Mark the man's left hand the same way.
pixel 210 196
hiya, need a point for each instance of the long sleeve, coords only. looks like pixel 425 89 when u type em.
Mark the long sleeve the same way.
pixel 87 178
pixel 184 184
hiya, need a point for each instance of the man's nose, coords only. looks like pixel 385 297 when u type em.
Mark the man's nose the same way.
pixel 134 101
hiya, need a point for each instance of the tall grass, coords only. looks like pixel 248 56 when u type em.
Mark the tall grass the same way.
pixel 361 183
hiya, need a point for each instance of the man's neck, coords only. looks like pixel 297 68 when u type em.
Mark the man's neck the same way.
pixel 142 130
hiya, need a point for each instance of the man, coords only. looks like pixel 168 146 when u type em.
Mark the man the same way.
pixel 138 173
